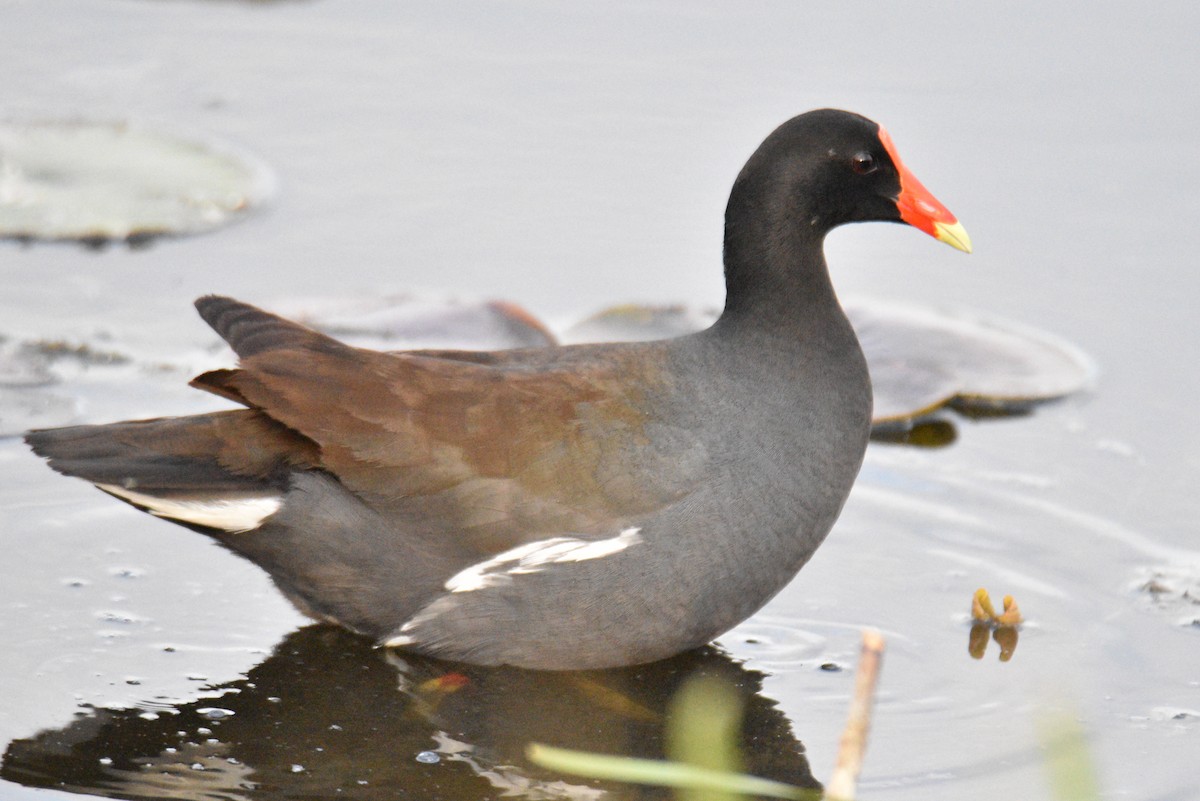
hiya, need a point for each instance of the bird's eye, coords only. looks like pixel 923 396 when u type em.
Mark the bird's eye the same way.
pixel 863 163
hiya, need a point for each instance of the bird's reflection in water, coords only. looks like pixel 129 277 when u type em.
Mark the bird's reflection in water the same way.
pixel 328 716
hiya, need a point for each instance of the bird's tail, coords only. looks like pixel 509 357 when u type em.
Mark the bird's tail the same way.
pixel 225 471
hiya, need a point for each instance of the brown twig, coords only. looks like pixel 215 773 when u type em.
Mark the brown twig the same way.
pixel 843 782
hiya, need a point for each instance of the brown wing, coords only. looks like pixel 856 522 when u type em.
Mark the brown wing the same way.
pixel 222 455
pixel 496 450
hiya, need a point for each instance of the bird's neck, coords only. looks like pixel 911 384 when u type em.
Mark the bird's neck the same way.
pixel 776 278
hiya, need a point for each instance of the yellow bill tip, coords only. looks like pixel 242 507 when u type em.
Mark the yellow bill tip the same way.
pixel 954 235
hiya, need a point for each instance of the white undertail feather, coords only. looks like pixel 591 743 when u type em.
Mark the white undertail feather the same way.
pixel 235 515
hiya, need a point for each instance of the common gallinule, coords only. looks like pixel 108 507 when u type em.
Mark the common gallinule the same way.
pixel 559 507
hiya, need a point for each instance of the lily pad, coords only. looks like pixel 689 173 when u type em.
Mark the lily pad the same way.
pixel 99 181
pixel 398 322
pixel 634 323
pixel 921 359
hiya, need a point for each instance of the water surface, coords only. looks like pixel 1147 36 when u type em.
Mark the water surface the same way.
pixel 571 159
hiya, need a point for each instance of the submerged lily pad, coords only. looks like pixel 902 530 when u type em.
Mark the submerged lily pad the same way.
pixel 397 322
pixel 83 353
pixel 921 359
pixel 97 181
pixel 634 323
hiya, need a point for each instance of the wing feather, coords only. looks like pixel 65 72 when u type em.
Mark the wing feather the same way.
pixel 499 450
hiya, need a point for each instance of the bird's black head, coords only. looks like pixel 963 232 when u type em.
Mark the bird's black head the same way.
pixel 826 168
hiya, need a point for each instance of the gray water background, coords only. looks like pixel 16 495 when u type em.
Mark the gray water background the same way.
pixel 570 158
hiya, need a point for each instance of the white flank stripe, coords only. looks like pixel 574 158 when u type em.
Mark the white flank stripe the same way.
pixel 399 641
pixel 233 515
pixel 533 557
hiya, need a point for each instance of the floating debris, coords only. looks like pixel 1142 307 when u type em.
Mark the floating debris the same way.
pixel 1003 627
pixel 1173 589
pixel 51 350
pixel 126 572
pixel 94 182
pixel 982 610
pixel 124 618
pixel 1162 713
pixel 26 367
